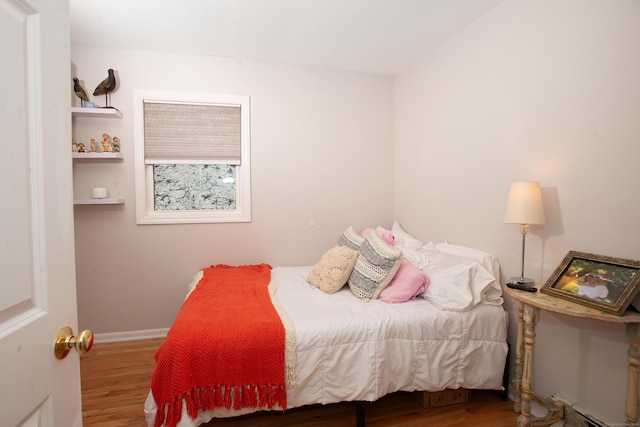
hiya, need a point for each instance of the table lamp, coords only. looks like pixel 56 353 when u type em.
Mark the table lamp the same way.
pixel 524 207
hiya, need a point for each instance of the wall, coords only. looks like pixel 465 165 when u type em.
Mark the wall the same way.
pixel 548 91
pixel 322 150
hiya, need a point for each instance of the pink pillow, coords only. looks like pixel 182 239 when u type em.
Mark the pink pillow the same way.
pixel 385 235
pixel 406 284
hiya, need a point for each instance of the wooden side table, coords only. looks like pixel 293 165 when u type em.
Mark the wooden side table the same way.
pixel 528 315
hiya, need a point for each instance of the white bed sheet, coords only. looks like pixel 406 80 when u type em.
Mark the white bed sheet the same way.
pixel 348 350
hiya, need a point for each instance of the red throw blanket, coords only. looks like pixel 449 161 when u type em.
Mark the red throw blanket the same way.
pixel 225 348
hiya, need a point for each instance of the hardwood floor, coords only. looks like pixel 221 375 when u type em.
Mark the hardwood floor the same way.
pixel 116 378
pixel 115 382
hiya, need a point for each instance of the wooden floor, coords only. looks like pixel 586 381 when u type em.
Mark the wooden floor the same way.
pixel 116 378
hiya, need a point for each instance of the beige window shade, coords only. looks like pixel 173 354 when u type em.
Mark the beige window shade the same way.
pixel 180 133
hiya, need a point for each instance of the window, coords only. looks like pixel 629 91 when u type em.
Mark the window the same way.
pixel 192 158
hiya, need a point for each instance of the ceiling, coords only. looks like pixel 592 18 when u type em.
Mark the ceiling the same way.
pixel 375 36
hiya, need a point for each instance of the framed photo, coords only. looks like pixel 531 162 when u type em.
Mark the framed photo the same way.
pixel 606 283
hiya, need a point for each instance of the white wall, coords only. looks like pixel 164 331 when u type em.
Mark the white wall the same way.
pixel 541 90
pixel 322 151
pixel 545 90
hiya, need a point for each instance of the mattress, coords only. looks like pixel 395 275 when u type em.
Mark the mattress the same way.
pixel 351 350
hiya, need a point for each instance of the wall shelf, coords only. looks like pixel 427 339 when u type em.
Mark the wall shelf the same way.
pixel 108 112
pixel 96 112
pixel 97 155
pixel 107 201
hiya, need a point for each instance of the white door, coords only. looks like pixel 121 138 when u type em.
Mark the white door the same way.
pixel 37 273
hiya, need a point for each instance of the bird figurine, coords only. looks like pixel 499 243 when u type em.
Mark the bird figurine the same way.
pixel 80 92
pixel 106 86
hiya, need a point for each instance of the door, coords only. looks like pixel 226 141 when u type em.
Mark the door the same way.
pixel 37 272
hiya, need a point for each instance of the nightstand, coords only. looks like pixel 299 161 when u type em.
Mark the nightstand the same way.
pixel 528 315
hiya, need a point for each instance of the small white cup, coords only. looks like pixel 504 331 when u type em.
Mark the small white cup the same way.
pixel 99 193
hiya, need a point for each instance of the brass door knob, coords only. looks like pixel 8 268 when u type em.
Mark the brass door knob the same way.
pixel 65 341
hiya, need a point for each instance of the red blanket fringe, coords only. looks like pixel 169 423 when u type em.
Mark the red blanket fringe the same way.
pixel 205 364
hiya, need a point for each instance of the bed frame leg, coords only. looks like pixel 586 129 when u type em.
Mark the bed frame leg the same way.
pixel 360 407
pixel 505 379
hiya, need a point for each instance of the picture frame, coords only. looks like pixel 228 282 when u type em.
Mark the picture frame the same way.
pixel 605 283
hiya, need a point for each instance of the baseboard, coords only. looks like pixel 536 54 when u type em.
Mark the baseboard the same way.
pixel 130 335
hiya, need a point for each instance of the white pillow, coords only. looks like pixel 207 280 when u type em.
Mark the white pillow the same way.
pixel 405 239
pixel 455 283
pixel 493 294
pixel 409 245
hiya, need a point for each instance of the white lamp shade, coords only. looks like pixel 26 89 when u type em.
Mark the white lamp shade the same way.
pixel 524 205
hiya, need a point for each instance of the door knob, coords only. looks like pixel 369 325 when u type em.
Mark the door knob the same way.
pixel 65 341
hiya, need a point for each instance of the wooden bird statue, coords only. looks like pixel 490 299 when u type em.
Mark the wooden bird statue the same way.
pixel 106 86
pixel 80 93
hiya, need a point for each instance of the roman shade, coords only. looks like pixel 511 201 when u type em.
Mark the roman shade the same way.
pixel 191 133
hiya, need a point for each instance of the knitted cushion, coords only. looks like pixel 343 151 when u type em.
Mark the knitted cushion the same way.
pixel 351 239
pixel 375 268
pixel 332 271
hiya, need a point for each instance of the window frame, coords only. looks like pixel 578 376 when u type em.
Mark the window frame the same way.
pixel 145 213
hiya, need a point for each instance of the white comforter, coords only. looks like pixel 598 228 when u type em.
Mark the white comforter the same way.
pixel 347 349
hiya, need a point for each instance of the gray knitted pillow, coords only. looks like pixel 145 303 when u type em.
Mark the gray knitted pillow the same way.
pixel 351 239
pixel 375 267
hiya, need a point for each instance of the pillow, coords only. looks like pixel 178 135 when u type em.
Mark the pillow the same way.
pixel 375 267
pixel 386 235
pixel 488 261
pixel 332 271
pixel 350 239
pixel 405 239
pixel 455 283
pixel 408 283
pixel 409 245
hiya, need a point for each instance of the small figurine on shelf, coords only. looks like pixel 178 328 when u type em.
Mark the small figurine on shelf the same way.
pixel 94 148
pixel 82 148
pixel 80 92
pixel 106 147
pixel 106 86
pixel 74 146
pixel 116 144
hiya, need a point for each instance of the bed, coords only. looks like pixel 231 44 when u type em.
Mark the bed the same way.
pixel 446 333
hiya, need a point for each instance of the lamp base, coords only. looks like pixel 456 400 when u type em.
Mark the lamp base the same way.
pixel 520 279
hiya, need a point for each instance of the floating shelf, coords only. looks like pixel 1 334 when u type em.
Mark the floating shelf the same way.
pixel 107 201
pixel 96 112
pixel 97 155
